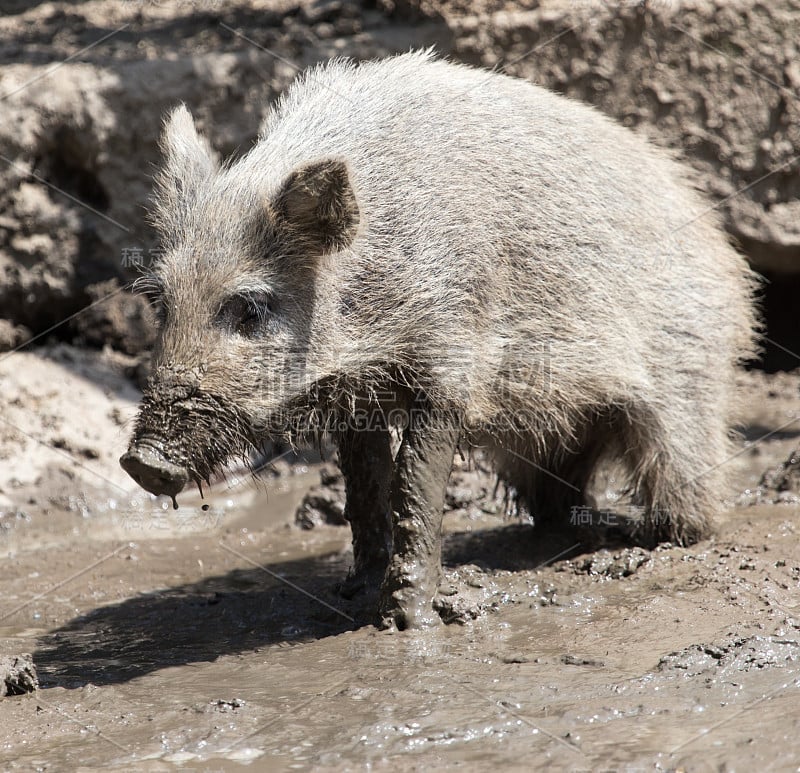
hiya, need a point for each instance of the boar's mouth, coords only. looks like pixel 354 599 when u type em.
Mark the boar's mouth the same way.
pixel 181 440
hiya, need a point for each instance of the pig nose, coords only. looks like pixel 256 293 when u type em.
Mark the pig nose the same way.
pixel 148 467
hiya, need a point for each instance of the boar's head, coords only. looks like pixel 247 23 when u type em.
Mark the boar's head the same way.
pixel 237 290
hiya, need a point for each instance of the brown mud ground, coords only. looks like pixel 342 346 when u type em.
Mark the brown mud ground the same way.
pixel 208 640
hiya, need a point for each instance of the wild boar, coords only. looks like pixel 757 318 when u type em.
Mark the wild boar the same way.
pixel 457 257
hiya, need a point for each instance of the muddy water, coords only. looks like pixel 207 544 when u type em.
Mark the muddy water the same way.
pixel 211 640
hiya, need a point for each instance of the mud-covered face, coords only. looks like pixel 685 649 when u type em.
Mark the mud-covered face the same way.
pixel 217 367
pixel 234 294
pixel 230 358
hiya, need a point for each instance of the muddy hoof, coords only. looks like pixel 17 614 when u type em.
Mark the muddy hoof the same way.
pixel 403 612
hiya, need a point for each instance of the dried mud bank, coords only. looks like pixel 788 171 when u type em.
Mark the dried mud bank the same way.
pixel 62 425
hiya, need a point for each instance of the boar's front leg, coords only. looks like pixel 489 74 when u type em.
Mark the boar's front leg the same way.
pixel 365 458
pixel 422 467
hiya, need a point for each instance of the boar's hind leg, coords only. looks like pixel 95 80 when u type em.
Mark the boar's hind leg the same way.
pixel 422 467
pixel 679 462
pixel 365 459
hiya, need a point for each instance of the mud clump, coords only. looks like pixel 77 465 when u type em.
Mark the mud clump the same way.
pixel 778 485
pixel 467 592
pixel 579 660
pixel 325 503
pixel 17 675
pixel 608 564
pixel 738 655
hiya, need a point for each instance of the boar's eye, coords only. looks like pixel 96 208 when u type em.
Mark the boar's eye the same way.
pixel 153 292
pixel 247 313
pixel 159 308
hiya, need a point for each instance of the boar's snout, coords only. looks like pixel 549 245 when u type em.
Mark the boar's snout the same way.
pixel 148 467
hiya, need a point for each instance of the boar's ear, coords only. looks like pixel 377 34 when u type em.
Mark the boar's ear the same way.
pixel 317 207
pixel 188 160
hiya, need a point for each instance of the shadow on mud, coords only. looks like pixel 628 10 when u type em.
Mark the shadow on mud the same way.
pixel 196 622
pixel 520 547
pixel 248 608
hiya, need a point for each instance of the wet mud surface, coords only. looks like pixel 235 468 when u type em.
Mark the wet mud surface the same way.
pixel 212 639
